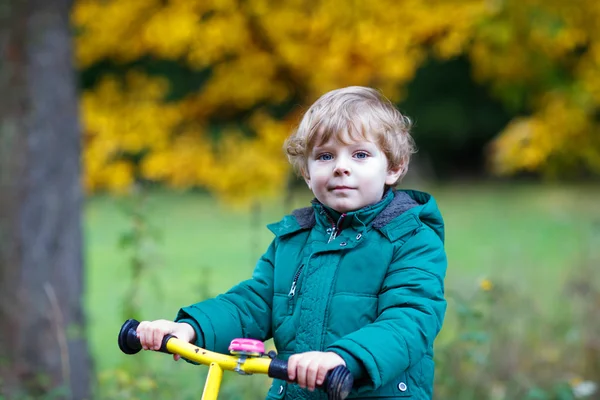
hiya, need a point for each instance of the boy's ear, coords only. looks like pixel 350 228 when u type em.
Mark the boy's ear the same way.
pixel 306 179
pixel 393 174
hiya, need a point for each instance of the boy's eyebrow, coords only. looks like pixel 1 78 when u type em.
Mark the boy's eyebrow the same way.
pixel 316 149
pixel 352 144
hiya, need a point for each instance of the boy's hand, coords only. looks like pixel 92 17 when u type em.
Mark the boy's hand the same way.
pixel 151 333
pixel 309 369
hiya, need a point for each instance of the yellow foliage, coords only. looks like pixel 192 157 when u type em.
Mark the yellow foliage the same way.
pixel 113 26
pixel 560 130
pixel 120 119
pixel 262 53
pixel 258 52
pixel 553 48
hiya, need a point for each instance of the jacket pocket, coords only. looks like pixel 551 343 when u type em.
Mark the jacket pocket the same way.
pixel 401 387
pixel 277 390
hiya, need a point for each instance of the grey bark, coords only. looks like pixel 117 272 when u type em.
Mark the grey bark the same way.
pixel 42 341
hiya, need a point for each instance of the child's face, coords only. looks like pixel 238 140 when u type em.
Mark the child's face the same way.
pixel 347 177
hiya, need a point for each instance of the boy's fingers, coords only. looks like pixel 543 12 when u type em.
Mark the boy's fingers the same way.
pixel 292 363
pixel 321 375
pixel 311 375
pixel 161 336
pixel 301 372
pixel 156 338
pixel 140 334
pixel 143 340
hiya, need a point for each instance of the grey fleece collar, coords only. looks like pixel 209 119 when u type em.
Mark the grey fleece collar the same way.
pixel 401 203
pixel 305 217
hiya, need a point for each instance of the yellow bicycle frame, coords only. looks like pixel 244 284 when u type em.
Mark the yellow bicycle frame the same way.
pixel 217 363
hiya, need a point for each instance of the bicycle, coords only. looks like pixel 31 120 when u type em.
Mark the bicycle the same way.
pixel 247 357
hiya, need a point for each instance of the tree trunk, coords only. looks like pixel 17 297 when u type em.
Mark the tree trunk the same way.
pixel 42 337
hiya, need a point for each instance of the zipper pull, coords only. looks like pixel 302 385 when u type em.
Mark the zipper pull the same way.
pixel 332 233
pixel 292 289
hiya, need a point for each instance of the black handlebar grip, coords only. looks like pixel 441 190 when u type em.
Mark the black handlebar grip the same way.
pixel 163 345
pixel 338 382
pixel 129 343
pixel 278 369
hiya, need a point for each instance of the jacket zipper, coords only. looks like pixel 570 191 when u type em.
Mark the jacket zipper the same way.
pixel 292 292
pixel 335 227
pixel 295 281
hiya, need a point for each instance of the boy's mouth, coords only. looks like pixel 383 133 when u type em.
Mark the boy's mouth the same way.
pixel 341 188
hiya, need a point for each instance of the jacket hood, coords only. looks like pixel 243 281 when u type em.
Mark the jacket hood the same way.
pixel 426 211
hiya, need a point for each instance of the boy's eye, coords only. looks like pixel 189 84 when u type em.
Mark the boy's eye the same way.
pixel 325 157
pixel 361 154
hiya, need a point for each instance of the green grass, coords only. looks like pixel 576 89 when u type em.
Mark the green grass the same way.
pixel 532 235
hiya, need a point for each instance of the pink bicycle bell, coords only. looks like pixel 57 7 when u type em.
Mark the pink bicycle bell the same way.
pixel 247 347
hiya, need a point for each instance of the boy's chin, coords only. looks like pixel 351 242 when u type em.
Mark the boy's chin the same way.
pixel 343 206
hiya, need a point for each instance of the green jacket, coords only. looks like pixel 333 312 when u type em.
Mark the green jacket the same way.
pixel 368 285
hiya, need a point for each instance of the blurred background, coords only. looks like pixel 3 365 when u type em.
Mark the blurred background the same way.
pixel 141 157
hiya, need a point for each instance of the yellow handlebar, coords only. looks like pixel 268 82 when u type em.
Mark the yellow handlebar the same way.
pixel 338 382
pixel 250 365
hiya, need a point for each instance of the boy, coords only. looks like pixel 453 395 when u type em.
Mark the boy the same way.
pixel 354 280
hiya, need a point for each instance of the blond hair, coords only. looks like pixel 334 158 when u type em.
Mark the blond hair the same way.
pixel 357 113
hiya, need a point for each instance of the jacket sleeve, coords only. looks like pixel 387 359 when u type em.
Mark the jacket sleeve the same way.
pixel 243 311
pixel 410 313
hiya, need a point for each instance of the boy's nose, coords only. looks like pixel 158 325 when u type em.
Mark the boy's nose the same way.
pixel 341 168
